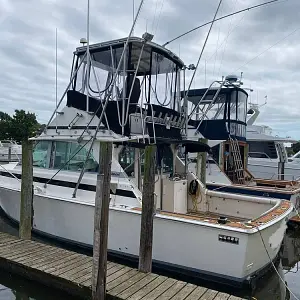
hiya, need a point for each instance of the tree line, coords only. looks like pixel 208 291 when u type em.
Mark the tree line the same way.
pixel 20 126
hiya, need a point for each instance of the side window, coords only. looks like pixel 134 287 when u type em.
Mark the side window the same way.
pixel 40 154
pixel 60 154
pixel 77 157
pixel 71 156
pixel 126 160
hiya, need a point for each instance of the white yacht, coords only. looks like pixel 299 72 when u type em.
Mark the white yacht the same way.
pixel 129 93
pixel 268 157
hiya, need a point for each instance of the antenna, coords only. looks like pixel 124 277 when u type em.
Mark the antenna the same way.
pixel 87 56
pixel 133 14
pixel 56 73
pixel 205 75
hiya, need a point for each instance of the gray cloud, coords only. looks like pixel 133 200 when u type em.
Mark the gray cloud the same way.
pixel 27 47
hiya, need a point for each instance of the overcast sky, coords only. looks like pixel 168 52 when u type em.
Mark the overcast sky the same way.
pixel 264 43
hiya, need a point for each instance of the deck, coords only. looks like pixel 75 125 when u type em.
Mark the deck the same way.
pixel 71 272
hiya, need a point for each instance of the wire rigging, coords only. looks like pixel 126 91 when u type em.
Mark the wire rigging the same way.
pixel 200 56
pixel 218 19
pixel 224 49
pixel 261 53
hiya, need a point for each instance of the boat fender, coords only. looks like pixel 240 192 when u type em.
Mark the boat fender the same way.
pixel 193 187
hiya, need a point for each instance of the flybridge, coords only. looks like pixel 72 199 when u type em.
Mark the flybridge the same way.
pixel 220 113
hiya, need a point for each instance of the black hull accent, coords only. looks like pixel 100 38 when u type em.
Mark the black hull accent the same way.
pixel 68 184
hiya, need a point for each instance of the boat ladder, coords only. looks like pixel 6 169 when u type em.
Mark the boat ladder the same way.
pixel 237 160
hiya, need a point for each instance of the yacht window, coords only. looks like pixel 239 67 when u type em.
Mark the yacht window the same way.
pixel 126 160
pixel 242 107
pixel 40 151
pixel 261 149
pixel 233 106
pixel 71 156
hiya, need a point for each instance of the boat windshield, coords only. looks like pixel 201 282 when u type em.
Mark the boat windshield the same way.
pixel 127 159
pixel 63 155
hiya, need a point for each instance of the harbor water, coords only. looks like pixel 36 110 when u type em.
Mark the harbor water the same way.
pixel 269 287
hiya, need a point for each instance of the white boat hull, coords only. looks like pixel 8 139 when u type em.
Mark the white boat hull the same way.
pixel 179 244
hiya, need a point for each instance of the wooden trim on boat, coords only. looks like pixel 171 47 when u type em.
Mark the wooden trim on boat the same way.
pixel 241 223
pixel 278 183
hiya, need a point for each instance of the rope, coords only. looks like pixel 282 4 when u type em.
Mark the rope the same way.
pixel 296 298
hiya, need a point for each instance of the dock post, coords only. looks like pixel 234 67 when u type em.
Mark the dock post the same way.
pixel 26 206
pixel 102 199
pixel 146 236
pixel 201 164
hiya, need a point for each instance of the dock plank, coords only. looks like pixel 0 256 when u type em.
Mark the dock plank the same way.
pixel 117 274
pixel 78 262
pixel 222 296
pixel 168 294
pixel 148 288
pixel 184 292
pixel 166 285
pixel 209 295
pixel 121 279
pixel 125 286
pixel 197 293
pixel 72 271
pixel 136 286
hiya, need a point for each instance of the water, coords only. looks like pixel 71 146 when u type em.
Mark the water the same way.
pixel 270 287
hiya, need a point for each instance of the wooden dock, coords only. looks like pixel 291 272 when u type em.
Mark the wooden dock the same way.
pixel 72 272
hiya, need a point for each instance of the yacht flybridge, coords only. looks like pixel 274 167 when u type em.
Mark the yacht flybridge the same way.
pixel 128 91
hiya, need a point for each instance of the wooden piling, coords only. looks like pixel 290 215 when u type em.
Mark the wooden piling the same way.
pixel 201 164
pixel 101 222
pixel 146 237
pixel 26 207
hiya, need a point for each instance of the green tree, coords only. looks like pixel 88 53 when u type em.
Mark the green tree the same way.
pixel 4 116
pixel 22 125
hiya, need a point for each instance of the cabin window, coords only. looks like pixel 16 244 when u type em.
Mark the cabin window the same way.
pixel 262 149
pixel 126 160
pixel 103 64
pixel 71 156
pixel 40 154
pixel 242 107
pixel 233 106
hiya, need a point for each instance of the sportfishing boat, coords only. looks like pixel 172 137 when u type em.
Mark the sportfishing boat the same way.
pixel 127 91
pixel 222 120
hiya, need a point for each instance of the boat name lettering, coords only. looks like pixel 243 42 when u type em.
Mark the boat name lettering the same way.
pixel 228 239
